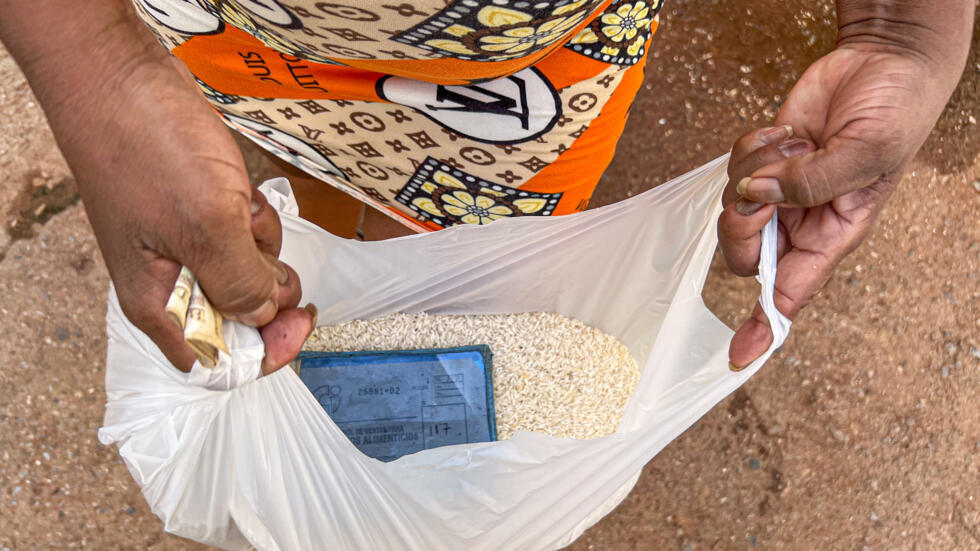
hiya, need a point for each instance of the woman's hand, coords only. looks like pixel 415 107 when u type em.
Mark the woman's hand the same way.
pixel 171 188
pixel 163 182
pixel 857 116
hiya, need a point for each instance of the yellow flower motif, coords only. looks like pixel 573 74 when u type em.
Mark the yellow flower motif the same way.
pixel 458 30
pixel 530 205
pixel 521 39
pixel 634 48
pixel 444 179
pixel 450 200
pixel 626 21
pixel 585 36
pixel 453 46
pixel 473 210
pixel 428 205
pixel 497 16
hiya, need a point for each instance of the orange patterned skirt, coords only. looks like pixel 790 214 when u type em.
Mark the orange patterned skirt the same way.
pixel 457 119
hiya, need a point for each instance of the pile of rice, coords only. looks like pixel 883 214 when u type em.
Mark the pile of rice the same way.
pixel 551 374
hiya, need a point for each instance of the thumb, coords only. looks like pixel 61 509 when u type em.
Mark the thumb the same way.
pixel 799 276
pixel 285 335
pixel 240 280
pixel 842 166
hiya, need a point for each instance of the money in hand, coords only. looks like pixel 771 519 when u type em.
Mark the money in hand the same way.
pixel 180 297
pixel 200 322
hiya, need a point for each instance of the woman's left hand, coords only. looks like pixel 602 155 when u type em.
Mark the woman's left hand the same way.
pixel 849 126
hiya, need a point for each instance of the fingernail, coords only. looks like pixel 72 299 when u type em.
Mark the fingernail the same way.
pixel 282 274
pixel 740 187
pixel 255 207
pixel 311 308
pixel 765 190
pixel 746 207
pixel 260 316
pixel 775 134
pixel 734 367
pixel 793 148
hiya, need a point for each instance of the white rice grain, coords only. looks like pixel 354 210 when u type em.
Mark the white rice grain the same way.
pixel 551 374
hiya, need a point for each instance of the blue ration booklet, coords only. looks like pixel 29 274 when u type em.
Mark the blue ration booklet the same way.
pixel 397 402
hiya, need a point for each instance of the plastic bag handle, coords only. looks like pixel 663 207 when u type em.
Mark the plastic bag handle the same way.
pixel 280 195
pixel 767 277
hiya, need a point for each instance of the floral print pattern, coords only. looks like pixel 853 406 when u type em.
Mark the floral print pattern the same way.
pixel 447 196
pixel 480 209
pixel 515 40
pixel 496 33
pixel 620 34
pixel 624 23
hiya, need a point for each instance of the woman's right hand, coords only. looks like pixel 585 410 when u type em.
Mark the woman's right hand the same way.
pixel 161 178
pixel 168 188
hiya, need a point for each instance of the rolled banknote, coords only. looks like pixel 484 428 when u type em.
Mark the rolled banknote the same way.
pixel 202 330
pixel 180 297
pixel 200 322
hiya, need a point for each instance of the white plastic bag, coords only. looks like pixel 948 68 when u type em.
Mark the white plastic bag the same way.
pixel 234 461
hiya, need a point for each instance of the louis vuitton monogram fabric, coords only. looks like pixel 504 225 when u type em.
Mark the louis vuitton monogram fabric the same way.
pixel 532 142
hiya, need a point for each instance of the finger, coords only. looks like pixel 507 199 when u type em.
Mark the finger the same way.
pixel 144 302
pixel 285 335
pixel 744 147
pixel 752 141
pixel 800 274
pixel 751 340
pixel 761 157
pixel 287 293
pixel 267 230
pixel 768 154
pixel 739 234
pixel 291 291
pixel 240 280
pixel 266 226
pixel 843 166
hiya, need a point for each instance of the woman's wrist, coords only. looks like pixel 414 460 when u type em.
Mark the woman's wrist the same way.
pixel 935 34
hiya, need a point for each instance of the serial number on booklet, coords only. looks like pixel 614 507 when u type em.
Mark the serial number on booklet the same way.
pixel 378 390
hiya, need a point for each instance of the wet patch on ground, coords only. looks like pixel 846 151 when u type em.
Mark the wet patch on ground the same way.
pixel 40 198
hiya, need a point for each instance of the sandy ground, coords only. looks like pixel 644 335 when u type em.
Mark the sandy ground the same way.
pixel 863 433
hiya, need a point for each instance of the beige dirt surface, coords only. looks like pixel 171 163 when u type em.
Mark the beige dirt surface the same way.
pixel 862 433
